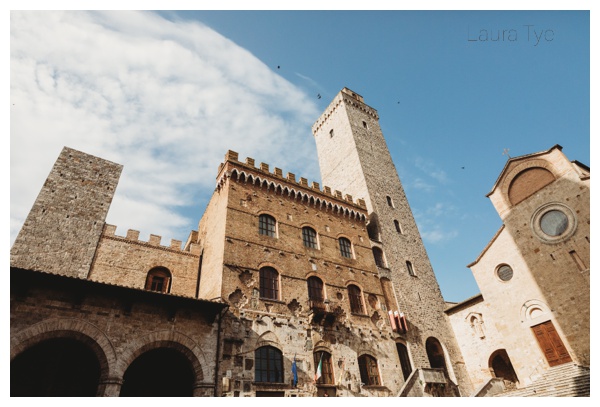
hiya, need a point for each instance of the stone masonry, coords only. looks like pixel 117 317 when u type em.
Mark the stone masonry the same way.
pixel 62 230
pixel 231 309
pixel 353 155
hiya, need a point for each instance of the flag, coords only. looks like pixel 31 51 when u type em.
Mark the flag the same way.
pixel 319 368
pixel 295 372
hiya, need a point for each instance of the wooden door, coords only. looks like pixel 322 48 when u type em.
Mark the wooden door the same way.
pixel 551 344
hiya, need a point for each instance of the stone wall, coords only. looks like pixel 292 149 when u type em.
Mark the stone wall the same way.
pixel 288 322
pixel 353 155
pixel 560 266
pixel 61 232
pixel 118 324
pixel 126 261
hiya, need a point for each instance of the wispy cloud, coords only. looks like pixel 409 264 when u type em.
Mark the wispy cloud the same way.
pixel 433 224
pixel 165 99
pixel 431 170
pixel 422 185
pixel 437 235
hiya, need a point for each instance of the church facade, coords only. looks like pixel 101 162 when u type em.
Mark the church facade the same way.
pixel 289 288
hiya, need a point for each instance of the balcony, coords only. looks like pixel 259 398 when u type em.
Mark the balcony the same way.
pixel 324 312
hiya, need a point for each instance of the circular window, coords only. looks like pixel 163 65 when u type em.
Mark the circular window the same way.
pixel 504 272
pixel 554 223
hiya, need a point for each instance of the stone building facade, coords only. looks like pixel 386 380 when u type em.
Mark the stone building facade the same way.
pixel 533 312
pixel 287 288
pixel 87 314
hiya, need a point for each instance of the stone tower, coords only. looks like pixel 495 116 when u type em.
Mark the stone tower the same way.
pixel 353 157
pixel 63 228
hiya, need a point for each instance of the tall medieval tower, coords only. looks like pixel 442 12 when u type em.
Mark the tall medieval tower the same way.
pixel 353 157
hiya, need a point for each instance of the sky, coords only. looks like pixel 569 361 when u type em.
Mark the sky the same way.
pixel 166 94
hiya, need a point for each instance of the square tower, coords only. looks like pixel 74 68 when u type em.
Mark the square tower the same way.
pixel 353 156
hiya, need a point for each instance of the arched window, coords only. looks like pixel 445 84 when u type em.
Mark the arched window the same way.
pixel 315 289
pixel 435 353
pixel 345 247
pixel 269 283
pixel 266 225
pixel 355 296
pixel 409 268
pixel 324 369
pixel 389 201
pixel 309 237
pixel 268 365
pixel 369 373
pixel 397 225
pixel 405 364
pixel 158 279
pixel 378 255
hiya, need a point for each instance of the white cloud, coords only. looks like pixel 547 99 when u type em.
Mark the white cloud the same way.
pixel 428 167
pixel 437 235
pixel 165 99
pixel 433 224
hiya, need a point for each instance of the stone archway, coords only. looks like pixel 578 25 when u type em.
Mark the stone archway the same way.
pixel 55 367
pixel 170 342
pixel 77 330
pixel 501 367
pixel 160 372
pixel 435 354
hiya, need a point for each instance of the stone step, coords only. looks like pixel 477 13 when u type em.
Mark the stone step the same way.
pixel 567 380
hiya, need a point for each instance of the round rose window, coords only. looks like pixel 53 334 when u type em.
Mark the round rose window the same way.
pixel 554 223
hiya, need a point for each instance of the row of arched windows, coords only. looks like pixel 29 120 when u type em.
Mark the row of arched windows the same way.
pixel 269 367
pixel 267 226
pixel 269 289
pixel 159 279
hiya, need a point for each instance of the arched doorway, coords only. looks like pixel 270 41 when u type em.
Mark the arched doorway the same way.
pixel 57 367
pixel 404 360
pixel 501 367
pixel 435 353
pixel 162 372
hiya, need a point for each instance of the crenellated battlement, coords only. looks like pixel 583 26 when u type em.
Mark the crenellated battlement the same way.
pixel 298 188
pixel 154 240
pixel 350 98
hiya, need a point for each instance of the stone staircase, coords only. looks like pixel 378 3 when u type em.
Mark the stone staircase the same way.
pixel 567 380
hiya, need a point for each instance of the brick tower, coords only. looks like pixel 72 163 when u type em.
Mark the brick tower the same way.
pixel 353 157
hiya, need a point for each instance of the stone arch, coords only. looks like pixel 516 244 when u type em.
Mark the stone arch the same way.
pixel 268 338
pixel 500 366
pixel 438 356
pixel 534 309
pixel 475 320
pixel 322 345
pixel 71 328
pixel 507 182
pixel 167 339
pixel 404 357
pixel 527 183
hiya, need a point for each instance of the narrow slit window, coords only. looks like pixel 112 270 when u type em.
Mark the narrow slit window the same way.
pixel 409 268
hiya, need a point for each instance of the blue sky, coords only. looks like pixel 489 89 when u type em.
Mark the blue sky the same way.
pixel 167 94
